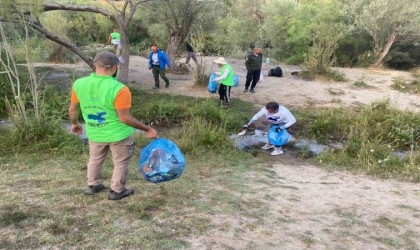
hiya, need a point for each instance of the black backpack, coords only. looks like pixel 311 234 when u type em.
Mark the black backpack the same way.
pixel 276 72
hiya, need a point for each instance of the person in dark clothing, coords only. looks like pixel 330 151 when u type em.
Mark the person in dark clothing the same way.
pixel 191 53
pixel 253 64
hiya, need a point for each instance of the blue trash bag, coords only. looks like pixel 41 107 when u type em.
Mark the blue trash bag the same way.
pixel 161 161
pixel 235 80
pixel 278 138
pixel 212 87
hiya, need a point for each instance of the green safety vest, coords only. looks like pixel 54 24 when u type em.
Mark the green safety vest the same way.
pixel 115 36
pixel 228 81
pixel 97 95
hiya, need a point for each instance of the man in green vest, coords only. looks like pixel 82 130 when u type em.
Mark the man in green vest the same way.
pixel 105 104
pixel 226 81
pixel 115 38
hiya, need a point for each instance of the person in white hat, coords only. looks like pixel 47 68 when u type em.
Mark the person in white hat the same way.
pixel 226 81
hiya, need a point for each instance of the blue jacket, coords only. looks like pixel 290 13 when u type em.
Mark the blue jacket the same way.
pixel 162 58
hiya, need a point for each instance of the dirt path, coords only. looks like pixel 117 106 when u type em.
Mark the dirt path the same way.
pixel 307 207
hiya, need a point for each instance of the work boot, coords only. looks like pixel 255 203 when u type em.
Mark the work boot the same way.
pixel 95 189
pixel 118 196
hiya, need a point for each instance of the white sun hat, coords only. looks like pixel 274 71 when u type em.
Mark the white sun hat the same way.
pixel 220 60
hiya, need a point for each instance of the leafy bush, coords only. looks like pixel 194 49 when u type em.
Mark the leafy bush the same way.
pixel 199 136
pixel 407 86
pixel 214 114
pixel 45 135
pixel 202 75
pixel 372 134
pixel 161 110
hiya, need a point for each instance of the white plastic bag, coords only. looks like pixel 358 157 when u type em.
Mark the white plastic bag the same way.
pixel 261 78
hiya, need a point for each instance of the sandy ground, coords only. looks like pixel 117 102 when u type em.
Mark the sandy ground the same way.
pixel 304 206
pixel 308 207
pixel 292 90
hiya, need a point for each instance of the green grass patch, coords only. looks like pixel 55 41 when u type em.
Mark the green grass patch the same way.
pixel 362 84
pixel 327 75
pixel 412 87
pixel 371 135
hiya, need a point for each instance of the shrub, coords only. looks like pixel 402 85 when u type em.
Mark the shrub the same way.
pixel 45 135
pixel 198 136
pixel 202 75
pixel 161 110
pixel 406 86
pixel 372 134
pixel 214 114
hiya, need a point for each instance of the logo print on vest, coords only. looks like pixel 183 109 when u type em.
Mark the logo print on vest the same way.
pixel 97 117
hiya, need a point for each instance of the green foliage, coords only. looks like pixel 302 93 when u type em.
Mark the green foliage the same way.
pixel 382 18
pixel 328 74
pixel 162 110
pixel 317 28
pixel 352 47
pixel 202 75
pixel 335 75
pixel 404 53
pixel 213 114
pixel 372 135
pixel 6 92
pixel 38 136
pixel 362 84
pixel 198 136
pixel 325 125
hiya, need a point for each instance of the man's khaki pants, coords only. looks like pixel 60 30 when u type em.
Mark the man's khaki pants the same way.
pixel 121 152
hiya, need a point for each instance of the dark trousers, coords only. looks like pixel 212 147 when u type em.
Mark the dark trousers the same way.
pixel 191 55
pixel 224 93
pixel 254 76
pixel 158 71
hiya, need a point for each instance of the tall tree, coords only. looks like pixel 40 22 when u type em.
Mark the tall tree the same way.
pixel 178 16
pixel 121 14
pixel 385 20
pixel 314 31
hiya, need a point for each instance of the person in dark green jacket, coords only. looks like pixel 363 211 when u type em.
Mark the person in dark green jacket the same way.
pixel 226 81
pixel 253 64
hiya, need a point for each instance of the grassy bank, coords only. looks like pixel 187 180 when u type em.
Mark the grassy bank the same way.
pixel 378 139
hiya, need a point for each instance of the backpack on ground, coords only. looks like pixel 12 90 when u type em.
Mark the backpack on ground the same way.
pixel 278 72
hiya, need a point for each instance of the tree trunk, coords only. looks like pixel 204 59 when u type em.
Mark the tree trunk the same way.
pixel 125 53
pixel 175 39
pixel 388 45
